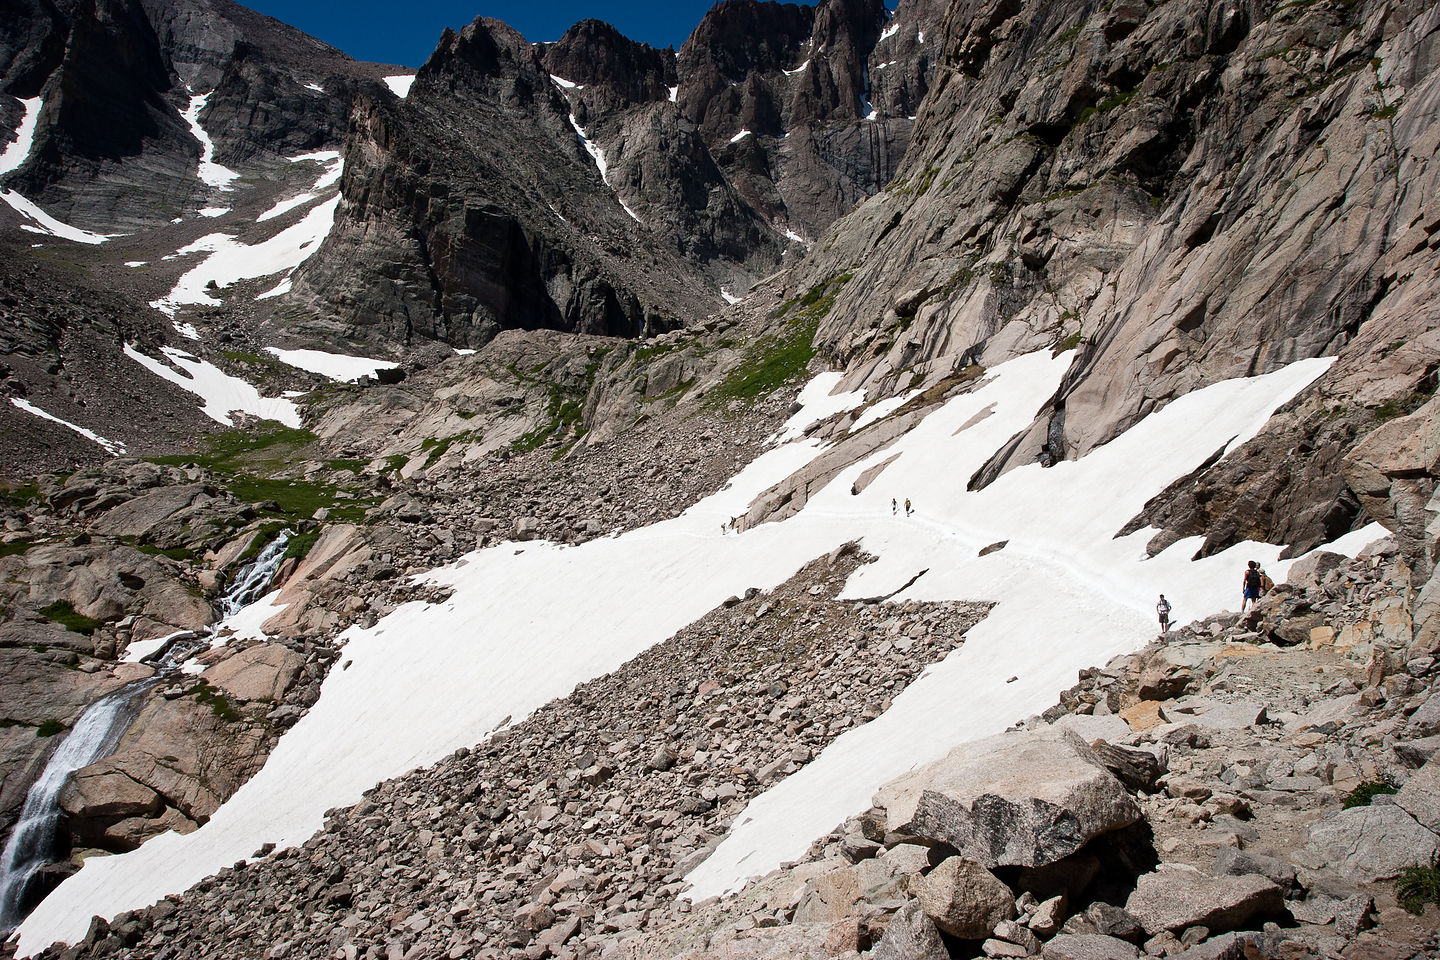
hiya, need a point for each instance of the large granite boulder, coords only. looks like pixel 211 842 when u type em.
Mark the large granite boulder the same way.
pixel 1368 843
pixel 964 899
pixel 1177 896
pixel 1026 799
pixel 262 672
pixel 1420 797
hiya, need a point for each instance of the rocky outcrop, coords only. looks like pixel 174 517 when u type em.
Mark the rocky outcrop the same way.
pixel 1070 184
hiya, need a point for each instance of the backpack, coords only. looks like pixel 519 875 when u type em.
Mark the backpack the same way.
pixel 1164 608
pixel 1252 580
pixel 1266 584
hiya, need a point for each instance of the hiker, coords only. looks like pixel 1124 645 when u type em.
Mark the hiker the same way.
pixel 1163 609
pixel 894 507
pixel 907 506
pixel 1250 586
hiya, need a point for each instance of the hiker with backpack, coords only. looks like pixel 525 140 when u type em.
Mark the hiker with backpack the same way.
pixel 1250 586
pixel 1163 609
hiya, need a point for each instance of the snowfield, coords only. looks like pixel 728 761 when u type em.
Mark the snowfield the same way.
pixel 528 621
pixel 230 260
pixel 336 366
pixel 111 447
pixel 222 393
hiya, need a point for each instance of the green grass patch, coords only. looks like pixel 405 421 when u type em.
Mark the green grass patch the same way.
pixel 16 548
pixel 1418 886
pixel 352 464
pixel 773 362
pixel 63 613
pixel 1369 790
pixel 174 553
pixel 49 728
pixel 396 461
pixel 1069 343
pixel 215 700
pixel 268 445
pixel 300 544
pixel 22 495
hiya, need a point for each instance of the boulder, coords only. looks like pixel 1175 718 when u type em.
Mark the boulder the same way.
pixel 1137 768
pixel 1144 715
pixel 1368 843
pixel 1425 721
pixel 98 793
pixel 911 935
pixel 1220 715
pixel 964 899
pixel 1420 797
pixel 1091 946
pixel 795 941
pixel 1026 799
pixel 35 687
pixel 1176 896
pixel 262 672
pixel 1311 569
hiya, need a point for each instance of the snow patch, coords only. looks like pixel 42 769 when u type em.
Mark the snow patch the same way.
pixel 463 351
pixel 674 94
pixel 890 31
pixel 19 149
pixel 336 366
pixel 794 237
pixel 214 211
pixel 209 172
pixel 187 330
pixel 566 84
pixel 740 136
pixel 334 168
pixel 920 36
pixel 43 223
pixel 400 84
pixel 598 155
pixel 729 297
pixel 817 402
pixel 135 263
pixel 230 260
pixel 222 393
pixel 112 447
pixel 802 67
pixel 315 86
pixel 881 409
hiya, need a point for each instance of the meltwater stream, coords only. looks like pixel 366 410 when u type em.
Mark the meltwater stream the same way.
pixel 96 735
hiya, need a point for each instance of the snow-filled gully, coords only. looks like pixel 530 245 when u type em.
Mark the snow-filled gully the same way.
pixel 527 622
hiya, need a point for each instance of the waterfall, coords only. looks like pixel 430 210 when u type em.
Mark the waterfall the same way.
pixel 96 735
pixel 31 844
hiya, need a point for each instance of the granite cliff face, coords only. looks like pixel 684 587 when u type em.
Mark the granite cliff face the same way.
pixel 1183 193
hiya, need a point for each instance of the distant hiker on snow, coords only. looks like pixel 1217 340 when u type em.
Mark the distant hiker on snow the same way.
pixel 1163 609
pixel 894 507
pixel 907 507
pixel 1251 585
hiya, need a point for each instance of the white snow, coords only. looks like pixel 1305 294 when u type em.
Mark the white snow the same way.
pixel 400 85
pixel 430 678
pixel 187 330
pixel 140 649
pixel 868 108
pixel 886 65
pixel 334 167
pixel 336 366
pixel 222 393
pixel 135 263
pixel 19 148
pixel 283 287
pixel 791 73
pixel 315 86
pixel 816 403
pixel 740 136
pixel 230 260
pixel 882 409
pixel 674 94
pixel 890 31
pixel 463 351
pixel 598 155
pixel 111 446
pixel 48 225
pixel 214 211
pixel 729 297
pixel 794 237
pixel 566 84
pixel 209 172
pixel 920 36
pixel 15 153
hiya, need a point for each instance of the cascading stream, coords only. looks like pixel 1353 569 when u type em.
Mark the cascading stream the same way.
pixel 96 735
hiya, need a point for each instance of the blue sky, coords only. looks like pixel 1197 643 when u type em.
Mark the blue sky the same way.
pixel 406 33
